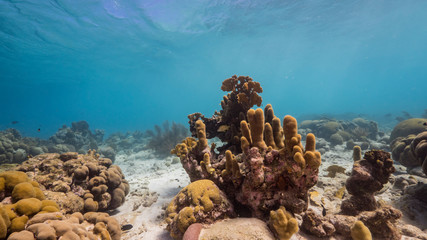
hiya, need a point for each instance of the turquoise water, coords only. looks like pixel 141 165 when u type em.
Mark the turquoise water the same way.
pixel 127 65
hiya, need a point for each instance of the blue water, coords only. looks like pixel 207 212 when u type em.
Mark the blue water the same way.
pixel 127 65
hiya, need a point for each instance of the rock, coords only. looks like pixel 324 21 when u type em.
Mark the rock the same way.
pixel 237 229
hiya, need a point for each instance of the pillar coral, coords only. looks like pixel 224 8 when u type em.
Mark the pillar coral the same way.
pixel 225 124
pixel 270 170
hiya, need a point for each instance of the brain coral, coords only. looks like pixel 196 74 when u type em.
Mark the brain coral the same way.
pixel 22 200
pixel 411 151
pixel 91 226
pixel 25 214
pixel 419 148
pixel 201 202
pixel 99 183
pixel 408 127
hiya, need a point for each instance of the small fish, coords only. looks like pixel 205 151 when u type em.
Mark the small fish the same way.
pixel 324 210
pixel 38 130
pixel 425 123
pixel 126 227
pixel 14 122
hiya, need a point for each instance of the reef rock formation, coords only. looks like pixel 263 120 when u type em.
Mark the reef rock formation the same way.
pixel 367 177
pixel 99 183
pixel 265 166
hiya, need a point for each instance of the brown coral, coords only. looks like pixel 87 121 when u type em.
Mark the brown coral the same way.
pixel 199 202
pixel 368 176
pixel 80 174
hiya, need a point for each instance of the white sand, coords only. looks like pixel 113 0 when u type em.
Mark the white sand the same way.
pixel 153 184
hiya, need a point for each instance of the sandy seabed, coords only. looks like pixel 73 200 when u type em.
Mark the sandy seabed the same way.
pixel 153 183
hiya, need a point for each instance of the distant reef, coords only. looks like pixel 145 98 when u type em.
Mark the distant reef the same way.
pixel 14 148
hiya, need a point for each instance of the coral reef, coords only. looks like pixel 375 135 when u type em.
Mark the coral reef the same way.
pixel 78 138
pixel 262 165
pixel 14 148
pixel 340 131
pixel 201 202
pixel 94 179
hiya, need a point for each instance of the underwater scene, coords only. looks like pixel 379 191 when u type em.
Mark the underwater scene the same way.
pixel 213 120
